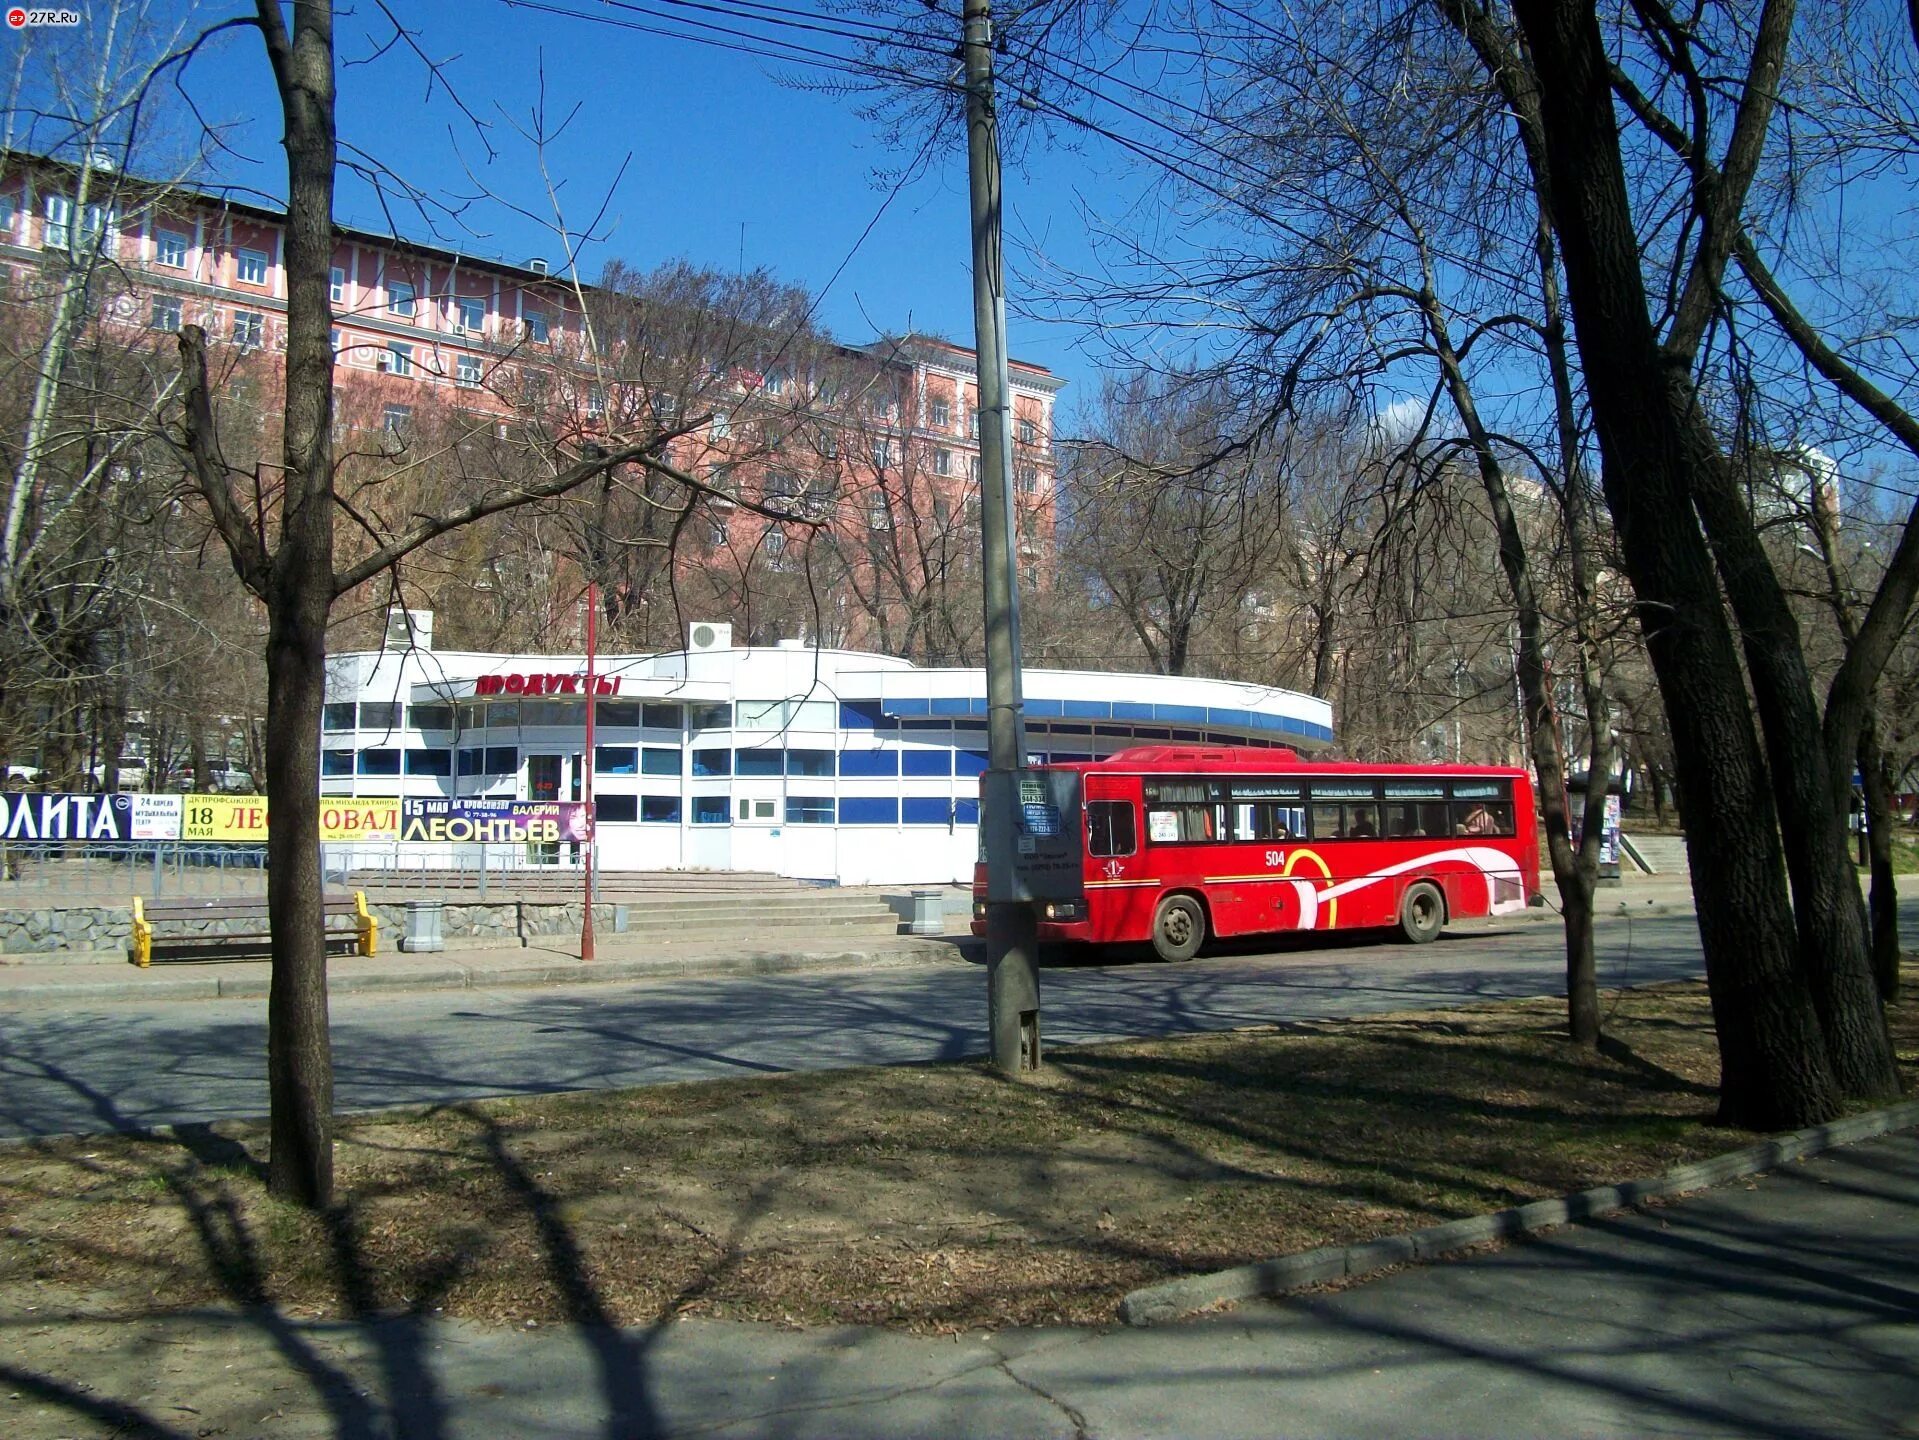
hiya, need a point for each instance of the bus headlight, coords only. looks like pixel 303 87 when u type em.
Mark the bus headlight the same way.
pixel 1064 910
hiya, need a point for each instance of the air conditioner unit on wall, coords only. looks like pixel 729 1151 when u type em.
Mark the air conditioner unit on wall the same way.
pixel 409 629
pixel 708 635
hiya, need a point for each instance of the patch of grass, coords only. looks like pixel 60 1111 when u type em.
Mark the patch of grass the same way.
pixel 928 1197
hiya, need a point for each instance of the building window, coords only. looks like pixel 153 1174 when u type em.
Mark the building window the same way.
pixel 250 267
pixel 809 810
pixel 379 715
pixel 882 453
pixel 379 762
pixel 878 515
pixel 619 809
pixel 716 534
pixel 535 322
pixel 335 763
pixel 466 372
pixel 469 314
pixel 664 716
pixel 620 714
pixel 709 810
pixel 616 760
pixel 872 810
pixel 595 401
pixel 59 222
pixel 709 717
pixel 399 359
pixel 722 425
pixel 336 285
pixel 249 329
pixel 776 382
pixel 397 420
pixel 658 760
pixel 429 762
pixel 9 215
pixel 775 542
pixel 337 717
pixel 399 298
pixel 660 809
pixel 1028 432
pixel 170 250
pixel 1028 476
pixel 942 462
pixel 166 312
pixel 942 414
pixel 815 764
pixel 712 764
pixel 972 469
pixel 430 717
pixel 974 432
pixel 333 338
pixel 782 485
pixel 760 764
pixel 942 512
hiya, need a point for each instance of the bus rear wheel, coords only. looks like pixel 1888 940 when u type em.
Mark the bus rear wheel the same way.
pixel 1179 928
pixel 1422 913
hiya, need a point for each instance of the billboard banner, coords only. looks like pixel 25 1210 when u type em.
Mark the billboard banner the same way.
pixel 66 817
pixel 493 822
pixel 236 819
pixel 242 819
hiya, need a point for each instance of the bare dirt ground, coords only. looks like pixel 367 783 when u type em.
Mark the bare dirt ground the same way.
pixel 933 1199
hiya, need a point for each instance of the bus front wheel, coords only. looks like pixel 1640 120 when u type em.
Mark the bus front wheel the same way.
pixel 1179 928
pixel 1422 913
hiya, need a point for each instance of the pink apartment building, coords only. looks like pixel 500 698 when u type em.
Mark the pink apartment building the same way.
pixel 866 442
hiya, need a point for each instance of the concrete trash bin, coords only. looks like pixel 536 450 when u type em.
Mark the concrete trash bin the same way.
pixel 423 932
pixel 929 913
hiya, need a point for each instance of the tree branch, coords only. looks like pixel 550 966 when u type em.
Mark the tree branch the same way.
pixel 245 547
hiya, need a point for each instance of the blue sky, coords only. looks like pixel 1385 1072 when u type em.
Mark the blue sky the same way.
pixel 726 163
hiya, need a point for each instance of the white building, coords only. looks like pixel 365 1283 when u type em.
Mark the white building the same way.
pixel 819 764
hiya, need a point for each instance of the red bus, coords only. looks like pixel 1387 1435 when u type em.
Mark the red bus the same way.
pixel 1184 844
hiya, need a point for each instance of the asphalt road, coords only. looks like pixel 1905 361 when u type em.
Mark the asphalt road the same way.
pixel 129 1065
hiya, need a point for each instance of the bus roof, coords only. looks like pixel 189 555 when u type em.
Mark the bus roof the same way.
pixel 1241 759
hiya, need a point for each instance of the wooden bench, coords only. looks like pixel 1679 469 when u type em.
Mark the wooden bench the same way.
pixel 350 929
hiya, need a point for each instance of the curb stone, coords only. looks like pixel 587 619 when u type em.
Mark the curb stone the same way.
pixel 1158 1304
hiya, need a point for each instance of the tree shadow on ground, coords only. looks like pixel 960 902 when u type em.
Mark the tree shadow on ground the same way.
pixel 215 1181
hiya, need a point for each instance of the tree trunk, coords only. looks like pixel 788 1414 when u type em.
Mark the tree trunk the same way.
pixel 1775 1071
pixel 197 759
pixel 299 596
pixel 299 1047
pixel 1885 897
pixel 1827 912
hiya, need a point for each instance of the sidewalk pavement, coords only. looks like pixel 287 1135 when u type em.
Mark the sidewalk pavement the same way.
pixel 617 957
pixel 1784 1305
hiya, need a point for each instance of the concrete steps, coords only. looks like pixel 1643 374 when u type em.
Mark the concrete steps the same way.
pixel 1659 855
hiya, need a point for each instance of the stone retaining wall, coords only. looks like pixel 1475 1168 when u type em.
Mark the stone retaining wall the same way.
pixel 110 927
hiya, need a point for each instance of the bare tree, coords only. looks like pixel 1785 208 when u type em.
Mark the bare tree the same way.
pixel 280 536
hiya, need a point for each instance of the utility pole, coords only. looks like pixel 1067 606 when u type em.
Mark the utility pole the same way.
pixel 1012 928
pixel 587 950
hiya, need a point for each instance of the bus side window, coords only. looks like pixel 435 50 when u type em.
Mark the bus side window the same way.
pixel 1109 828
